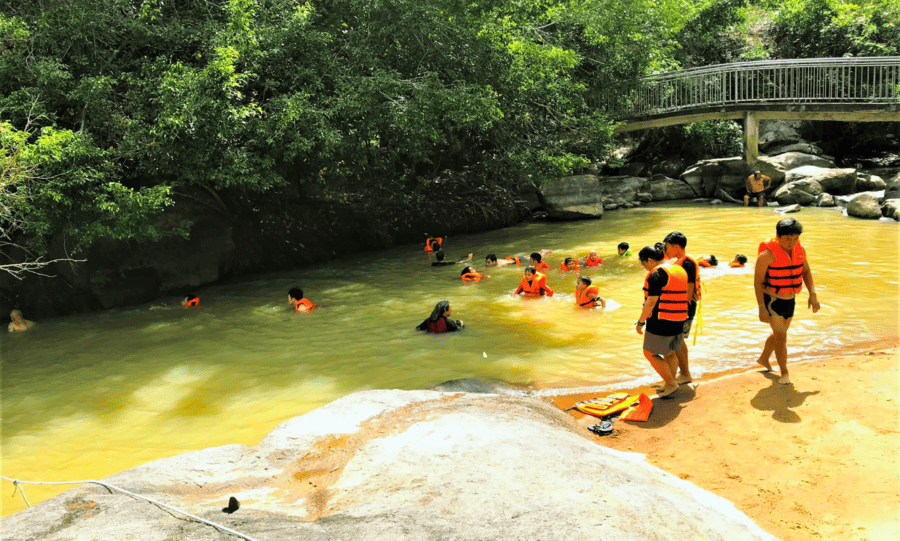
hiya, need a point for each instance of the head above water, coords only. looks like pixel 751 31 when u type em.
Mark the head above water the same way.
pixel 466 270
pixel 490 258
pixel 568 261
pixel 16 315
pixel 676 238
pixel 583 281
pixel 439 255
pixel 622 248
pixel 295 294
pixel 435 246
pixel 713 261
pixel 440 309
pixel 741 258
pixel 536 257
pixel 788 226
pixel 530 271
pixel 649 253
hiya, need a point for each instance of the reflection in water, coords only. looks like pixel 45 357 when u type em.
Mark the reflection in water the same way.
pixel 89 395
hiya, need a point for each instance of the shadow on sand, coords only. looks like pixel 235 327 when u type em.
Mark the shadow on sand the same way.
pixel 780 399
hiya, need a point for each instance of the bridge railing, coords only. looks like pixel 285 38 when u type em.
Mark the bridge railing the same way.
pixel 820 80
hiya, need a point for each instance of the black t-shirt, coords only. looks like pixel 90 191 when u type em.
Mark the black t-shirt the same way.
pixel 452 325
pixel 660 327
pixel 691 269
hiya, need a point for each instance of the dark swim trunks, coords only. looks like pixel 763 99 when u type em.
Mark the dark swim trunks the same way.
pixel 780 307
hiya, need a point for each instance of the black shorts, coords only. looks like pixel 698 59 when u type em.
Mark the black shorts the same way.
pixel 780 307
pixel 756 194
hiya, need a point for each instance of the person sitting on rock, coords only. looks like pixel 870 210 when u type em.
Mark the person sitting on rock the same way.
pixel 757 184
pixel 299 302
pixel 593 260
pixel 442 263
pixel 18 323
pixel 623 249
pixel 739 261
pixel 439 321
pixel 586 295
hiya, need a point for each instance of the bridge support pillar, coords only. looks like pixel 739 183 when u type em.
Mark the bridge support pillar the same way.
pixel 751 137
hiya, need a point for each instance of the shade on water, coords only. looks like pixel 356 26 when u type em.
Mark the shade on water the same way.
pixel 89 395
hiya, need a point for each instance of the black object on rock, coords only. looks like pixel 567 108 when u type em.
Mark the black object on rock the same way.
pixel 602 429
pixel 233 505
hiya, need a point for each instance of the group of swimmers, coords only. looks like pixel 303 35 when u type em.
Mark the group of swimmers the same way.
pixel 672 291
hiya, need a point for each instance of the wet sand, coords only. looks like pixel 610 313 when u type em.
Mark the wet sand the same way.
pixel 817 459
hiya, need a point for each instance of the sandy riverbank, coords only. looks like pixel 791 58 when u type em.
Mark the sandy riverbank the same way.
pixel 818 459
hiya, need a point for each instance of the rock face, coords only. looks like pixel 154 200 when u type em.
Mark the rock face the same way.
pixel 869 183
pixel 891 209
pixel 804 148
pixel 892 187
pixel 775 133
pixel 396 466
pixel 793 160
pixel 802 191
pixel 833 181
pixel 864 205
pixel 572 198
pixel 663 188
pixel 824 200
pixel 729 174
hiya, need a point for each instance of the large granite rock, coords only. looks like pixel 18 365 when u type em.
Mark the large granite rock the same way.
pixel 729 174
pixel 864 205
pixel 672 167
pixel 572 198
pixel 788 209
pixel 720 194
pixel 397 466
pixel 803 192
pixel 620 189
pixel 892 187
pixel 793 160
pixel 824 199
pixel 833 181
pixel 804 148
pixel 663 188
pixel 891 209
pixel 776 133
pixel 869 183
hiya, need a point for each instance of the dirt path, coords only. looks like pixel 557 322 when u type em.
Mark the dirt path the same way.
pixel 816 460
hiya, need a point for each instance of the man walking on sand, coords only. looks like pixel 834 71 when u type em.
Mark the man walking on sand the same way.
pixel 674 244
pixel 781 271
pixel 664 311
pixel 757 184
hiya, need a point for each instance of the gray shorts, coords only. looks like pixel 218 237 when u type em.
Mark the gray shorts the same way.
pixel 662 345
pixel 686 330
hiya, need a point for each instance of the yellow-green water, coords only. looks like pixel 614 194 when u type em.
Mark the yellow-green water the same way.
pixel 87 396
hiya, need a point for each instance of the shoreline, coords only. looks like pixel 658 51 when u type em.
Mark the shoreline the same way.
pixel 813 460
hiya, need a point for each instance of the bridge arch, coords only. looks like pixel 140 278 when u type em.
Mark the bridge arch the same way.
pixel 842 89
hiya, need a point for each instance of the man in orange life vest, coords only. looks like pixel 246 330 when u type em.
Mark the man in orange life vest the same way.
pixel 781 271
pixel 533 284
pixel 674 245
pixel 538 263
pixel 664 312
pixel 299 302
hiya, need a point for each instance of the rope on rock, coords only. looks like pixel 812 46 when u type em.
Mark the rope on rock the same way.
pixel 18 482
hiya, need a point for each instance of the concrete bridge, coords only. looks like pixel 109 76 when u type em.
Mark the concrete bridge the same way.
pixel 842 89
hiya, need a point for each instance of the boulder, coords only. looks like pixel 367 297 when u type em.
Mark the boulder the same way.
pixel 610 206
pixel 395 465
pixel 670 168
pixel 804 148
pixel 793 160
pixel 620 189
pixel 824 199
pixel 788 209
pixel 634 169
pixel 720 193
pixel 776 133
pixel 770 167
pixel 644 197
pixel 833 181
pixel 663 188
pixel 869 183
pixel 892 187
pixel 864 205
pixel 891 209
pixel 572 198
pixel 803 192
pixel 729 174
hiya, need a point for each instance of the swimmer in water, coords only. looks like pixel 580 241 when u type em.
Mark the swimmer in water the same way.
pixel 18 323
pixel 538 263
pixel 707 261
pixel 492 261
pixel 593 260
pixel 739 261
pixel 623 249
pixel 299 302
pixel 569 264
pixel 586 295
pixel 439 321
pixel 469 274
pixel 190 301
pixel 442 263
pixel 433 244
pixel 533 284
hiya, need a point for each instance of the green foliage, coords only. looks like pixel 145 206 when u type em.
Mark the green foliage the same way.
pixel 713 36
pixel 691 142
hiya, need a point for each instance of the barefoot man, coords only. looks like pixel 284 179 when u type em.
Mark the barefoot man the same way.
pixel 664 312
pixel 757 184
pixel 781 271
pixel 673 246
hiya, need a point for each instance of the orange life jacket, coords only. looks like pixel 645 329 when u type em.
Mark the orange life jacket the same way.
pixel 303 302
pixel 582 299
pixel 564 267
pixel 697 294
pixel 536 288
pixel 786 273
pixel 588 262
pixel 734 264
pixel 513 258
pixel 704 262
pixel 673 301
pixel 472 277
pixel 440 241
pixel 193 302
pixel 542 266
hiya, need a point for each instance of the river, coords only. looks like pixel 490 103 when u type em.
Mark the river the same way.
pixel 89 395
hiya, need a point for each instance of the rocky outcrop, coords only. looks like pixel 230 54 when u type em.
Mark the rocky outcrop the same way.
pixel 572 198
pixel 824 200
pixel 729 174
pixel 663 188
pixel 804 148
pixel 891 209
pixel 864 205
pixel 396 466
pixel 833 181
pixel 720 194
pixel 869 183
pixel 776 133
pixel 793 160
pixel 803 192
pixel 892 187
